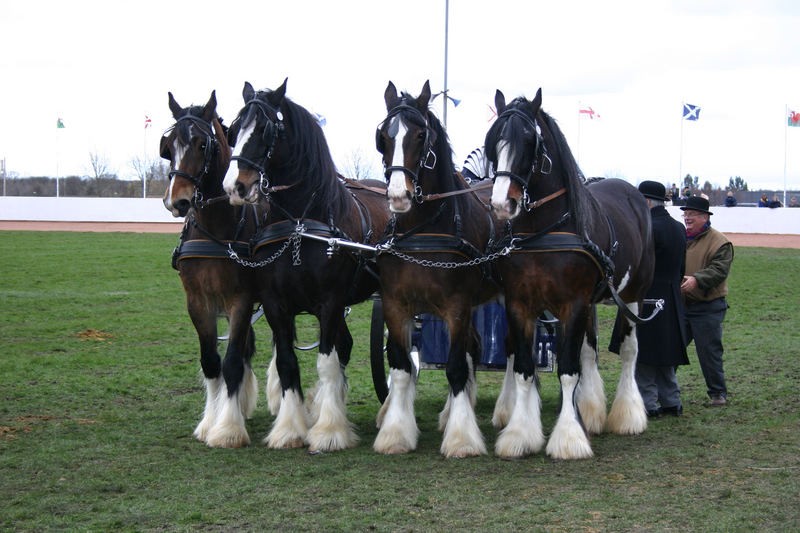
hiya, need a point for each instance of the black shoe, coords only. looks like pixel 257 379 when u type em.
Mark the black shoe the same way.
pixel 654 413
pixel 675 410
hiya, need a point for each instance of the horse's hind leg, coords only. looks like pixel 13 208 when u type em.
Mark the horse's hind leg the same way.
pixel 628 415
pixel 591 396
pixel 462 436
pixel 331 430
pixel 238 399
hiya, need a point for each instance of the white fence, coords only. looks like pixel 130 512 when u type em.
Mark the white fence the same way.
pixel 781 221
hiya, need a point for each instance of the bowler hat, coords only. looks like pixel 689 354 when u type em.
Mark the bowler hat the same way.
pixel 653 189
pixel 696 203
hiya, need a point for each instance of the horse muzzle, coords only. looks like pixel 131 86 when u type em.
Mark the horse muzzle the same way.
pixel 506 210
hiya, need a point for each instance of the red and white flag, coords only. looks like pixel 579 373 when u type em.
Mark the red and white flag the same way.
pixel 147 122
pixel 588 111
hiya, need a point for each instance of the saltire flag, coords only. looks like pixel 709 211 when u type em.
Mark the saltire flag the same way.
pixel 691 112
pixel 591 113
pixel 793 120
pixel 147 122
pixel 59 123
pixel 321 120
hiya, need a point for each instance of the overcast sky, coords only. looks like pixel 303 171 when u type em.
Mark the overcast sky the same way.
pixel 102 66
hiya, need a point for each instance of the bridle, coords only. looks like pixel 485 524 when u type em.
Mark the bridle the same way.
pixel 541 161
pixel 272 130
pixel 211 148
pixel 427 160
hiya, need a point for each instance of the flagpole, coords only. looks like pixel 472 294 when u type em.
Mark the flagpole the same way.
pixel 446 31
pixel 785 147
pixel 58 134
pixel 680 156
pixel 144 160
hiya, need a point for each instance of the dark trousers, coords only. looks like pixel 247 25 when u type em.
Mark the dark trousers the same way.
pixel 704 326
pixel 658 386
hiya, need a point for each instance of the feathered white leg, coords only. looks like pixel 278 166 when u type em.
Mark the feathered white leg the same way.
pixel 462 437
pixel 505 402
pixel 591 396
pixel 249 392
pixel 290 428
pixel 522 434
pixel 568 440
pixel 229 430
pixel 331 430
pixel 398 426
pixel 471 389
pixel 212 387
pixel 628 415
pixel 274 392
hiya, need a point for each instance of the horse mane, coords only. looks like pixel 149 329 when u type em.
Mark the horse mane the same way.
pixel 310 162
pixel 575 182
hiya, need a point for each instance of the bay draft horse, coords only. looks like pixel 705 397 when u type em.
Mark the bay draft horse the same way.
pixel 283 158
pixel 574 245
pixel 432 261
pixel 197 148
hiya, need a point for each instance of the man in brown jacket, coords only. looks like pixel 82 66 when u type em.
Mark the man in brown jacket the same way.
pixel 709 255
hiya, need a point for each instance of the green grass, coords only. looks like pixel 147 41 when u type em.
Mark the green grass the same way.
pixel 100 393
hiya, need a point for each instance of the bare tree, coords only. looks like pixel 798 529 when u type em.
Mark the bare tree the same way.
pixel 100 166
pixel 359 166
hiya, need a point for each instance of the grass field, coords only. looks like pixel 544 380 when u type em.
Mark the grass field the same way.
pixel 100 392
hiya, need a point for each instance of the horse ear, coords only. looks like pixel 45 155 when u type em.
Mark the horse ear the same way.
pixel 211 107
pixel 424 97
pixel 390 96
pixel 176 109
pixel 499 102
pixel 277 96
pixel 537 101
pixel 164 148
pixel 248 93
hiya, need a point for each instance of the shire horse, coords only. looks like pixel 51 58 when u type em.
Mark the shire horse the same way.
pixel 432 261
pixel 574 244
pixel 199 155
pixel 283 159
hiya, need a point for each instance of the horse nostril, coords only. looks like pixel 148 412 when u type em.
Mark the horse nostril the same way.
pixel 240 189
pixel 512 205
pixel 182 206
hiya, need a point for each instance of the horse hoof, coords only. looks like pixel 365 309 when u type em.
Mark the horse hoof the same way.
pixel 395 449
pixel 228 441
pixel 284 444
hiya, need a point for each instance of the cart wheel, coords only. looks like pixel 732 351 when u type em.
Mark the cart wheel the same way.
pixel 376 351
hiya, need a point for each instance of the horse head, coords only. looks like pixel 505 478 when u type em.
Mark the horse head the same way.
pixel 516 149
pixel 256 135
pixel 411 141
pixel 198 152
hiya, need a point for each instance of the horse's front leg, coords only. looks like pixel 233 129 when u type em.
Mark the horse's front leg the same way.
pixel 290 427
pixel 462 436
pixel 331 430
pixel 398 426
pixel 522 434
pixel 237 400
pixel 628 415
pixel 568 439
pixel 205 322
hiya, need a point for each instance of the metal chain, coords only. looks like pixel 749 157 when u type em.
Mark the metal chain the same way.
pixel 293 240
pixel 387 248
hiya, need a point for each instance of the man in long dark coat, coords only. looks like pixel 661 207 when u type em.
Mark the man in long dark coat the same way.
pixel 662 341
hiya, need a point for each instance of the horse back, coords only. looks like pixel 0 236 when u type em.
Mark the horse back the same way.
pixel 629 226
